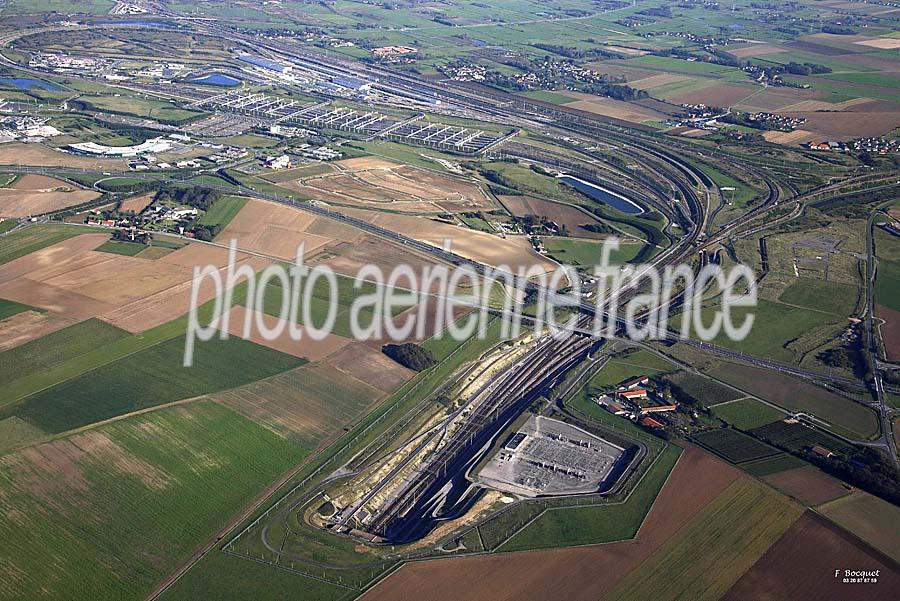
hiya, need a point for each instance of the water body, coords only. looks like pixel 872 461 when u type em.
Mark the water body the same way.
pixel 216 79
pixel 27 83
pixel 616 201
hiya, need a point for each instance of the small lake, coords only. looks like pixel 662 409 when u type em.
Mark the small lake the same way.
pixel 216 79
pixel 616 201
pixel 27 83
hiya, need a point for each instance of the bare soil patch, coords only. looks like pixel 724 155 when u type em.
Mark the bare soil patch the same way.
pixel 575 574
pixel 890 331
pixel 370 365
pixel 29 325
pixel 562 214
pixel 808 485
pixel 881 43
pixel 617 109
pixel 306 347
pixel 36 194
pixel 16 153
pixel 272 229
pixel 756 50
pixel 788 138
pixel 136 204
pixel 716 95
pixel 655 81
pixel 513 251
pixel 801 565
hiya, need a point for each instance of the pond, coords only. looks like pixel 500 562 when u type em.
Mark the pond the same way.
pixel 27 83
pixel 616 201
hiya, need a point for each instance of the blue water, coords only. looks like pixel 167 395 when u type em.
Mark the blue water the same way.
pixel 216 79
pixel 603 195
pixel 27 83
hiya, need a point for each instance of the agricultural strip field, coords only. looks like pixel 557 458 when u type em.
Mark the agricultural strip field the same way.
pixel 868 517
pixel 747 413
pixel 26 241
pixel 707 555
pixel 734 446
pixel 10 308
pixel 800 567
pixel 796 395
pixel 572 573
pixel 305 405
pixel 808 485
pixel 223 211
pixel 147 378
pixel 796 437
pixel 107 513
pixel 128 249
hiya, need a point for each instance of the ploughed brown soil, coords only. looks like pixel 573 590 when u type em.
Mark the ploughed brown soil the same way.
pixel 890 331
pixel 801 566
pixel 574 574
pixel 808 485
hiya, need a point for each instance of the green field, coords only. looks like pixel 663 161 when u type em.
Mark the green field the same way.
pixel 705 390
pixel 709 553
pixel 28 240
pixel 112 511
pixel 8 224
pixel 223 211
pixel 624 366
pixel 587 253
pixel 747 413
pixel 733 445
pixel 796 437
pixel 605 522
pixel 9 308
pixel 772 465
pixel 887 284
pixel 129 249
pixel 796 395
pixel 838 299
pixel 868 517
pixel 153 376
pixel 43 354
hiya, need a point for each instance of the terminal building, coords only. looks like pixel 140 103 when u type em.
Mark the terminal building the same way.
pixel 151 146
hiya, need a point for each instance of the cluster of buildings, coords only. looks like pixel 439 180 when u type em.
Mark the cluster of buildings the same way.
pixel 394 53
pixel 466 72
pixel 63 63
pixel 25 128
pixel 776 121
pixel 151 146
pixel 637 400
pixel 870 145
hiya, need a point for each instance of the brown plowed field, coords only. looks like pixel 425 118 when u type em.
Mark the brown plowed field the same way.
pixel 617 109
pixel 306 348
pixel 562 214
pixel 370 366
pixel 36 155
pixel 513 251
pixel 582 573
pixel 136 204
pixel 808 485
pixel 72 280
pixel 272 229
pixel 36 194
pixel 372 182
pixel 890 331
pixel 29 325
pixel 716 95
pixel 801 567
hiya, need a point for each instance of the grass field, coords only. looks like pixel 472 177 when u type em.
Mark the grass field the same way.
pixel 129 249
pixel 55 348
pixel 706 391
pixel 223 211
pixel 622 367
pixel 9 308
pixel 772 465
pixel 8 224
pixel 831 297
pixel 714 549
pixel 868 517
pixel 600 523
pixel 796 395
pixel 733 445
pixel 887 284
pixel 586 253
pixel 153 376
pixel 747 414
pixel 111 511
pixel 26 241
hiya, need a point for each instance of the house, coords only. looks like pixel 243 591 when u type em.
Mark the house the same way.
pixel 281 162
pixel 658 408
pixel 634 395
pixel 651 423
pixel 822 452
pixel 614 408
pixel 634 382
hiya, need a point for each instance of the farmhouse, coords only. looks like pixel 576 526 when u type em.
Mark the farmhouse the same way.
pixel 632 383
pixel 633 395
